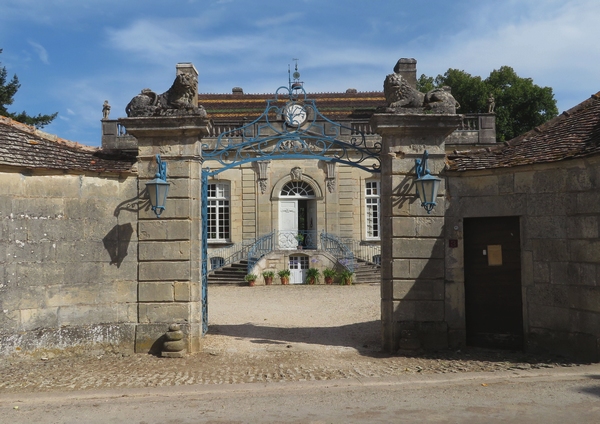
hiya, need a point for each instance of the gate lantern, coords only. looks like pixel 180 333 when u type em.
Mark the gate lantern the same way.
pixel 427 184
pixel 158 188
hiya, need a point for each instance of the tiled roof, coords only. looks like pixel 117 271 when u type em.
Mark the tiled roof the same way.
pixel 27 147
pixel 574 133
pixel 334 106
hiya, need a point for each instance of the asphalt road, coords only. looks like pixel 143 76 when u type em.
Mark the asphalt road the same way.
pixel 558 395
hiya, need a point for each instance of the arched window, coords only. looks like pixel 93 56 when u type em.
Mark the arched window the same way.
pixel 297 189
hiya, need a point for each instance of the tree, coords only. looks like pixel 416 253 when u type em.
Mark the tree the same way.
pixel 520 104
pixel 7 93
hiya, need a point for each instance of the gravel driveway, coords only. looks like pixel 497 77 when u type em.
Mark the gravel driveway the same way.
pixel 266 334
pixel 316 317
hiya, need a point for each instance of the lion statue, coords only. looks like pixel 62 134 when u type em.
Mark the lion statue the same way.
pixel 178 100
pixel 399 93
pixel 401 97
pixel 441 100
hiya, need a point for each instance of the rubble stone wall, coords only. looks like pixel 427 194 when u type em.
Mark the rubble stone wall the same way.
pixel 68 261
pixel 559 207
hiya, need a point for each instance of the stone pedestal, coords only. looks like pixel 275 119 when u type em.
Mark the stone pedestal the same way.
pixel 412 253
pixel 169 280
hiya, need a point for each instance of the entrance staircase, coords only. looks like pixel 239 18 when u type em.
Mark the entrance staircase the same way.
pixel 366 272
pixel 233 274
pixel 230 275
pixel 231 264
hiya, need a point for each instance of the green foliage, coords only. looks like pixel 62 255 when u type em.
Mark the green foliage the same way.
pixel 250 277
pixel 313 274
pixel 521 105
pixel 7 93
pixel 346 277
pixel 471 92
pixel 268 274
pixel 284 273
pixel 329 273
pixel 425 83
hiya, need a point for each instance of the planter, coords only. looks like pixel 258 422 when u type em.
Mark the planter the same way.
pixel 285 280
pixel 252 283
pixel 312 281
pixel 268 281
pixel 328 280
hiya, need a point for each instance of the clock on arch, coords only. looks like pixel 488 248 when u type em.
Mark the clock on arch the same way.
pixel 294 114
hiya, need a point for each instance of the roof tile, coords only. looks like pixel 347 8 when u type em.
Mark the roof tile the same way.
pixel 574 133
pixel 28 147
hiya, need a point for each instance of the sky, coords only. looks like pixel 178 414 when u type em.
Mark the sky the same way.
pixel 71 55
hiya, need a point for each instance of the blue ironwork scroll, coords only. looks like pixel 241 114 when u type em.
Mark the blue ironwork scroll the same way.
pixel 292 127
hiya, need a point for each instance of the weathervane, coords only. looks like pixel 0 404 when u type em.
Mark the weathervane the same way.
pixel 297 84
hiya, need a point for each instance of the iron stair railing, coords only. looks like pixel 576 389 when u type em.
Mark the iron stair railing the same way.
pixel 259 249
pixel 338 250
pixel 224 256
pixel 346 251
pixel 370 253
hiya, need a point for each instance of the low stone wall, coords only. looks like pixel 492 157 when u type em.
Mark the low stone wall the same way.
pixel 68 261
pixel 559 208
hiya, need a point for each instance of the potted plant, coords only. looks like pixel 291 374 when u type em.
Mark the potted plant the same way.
pixel 346 277
pixel 329 274
pixel 284 276
pixel 251 279
pixel 300 239
pixel 268 276
pixel 312 275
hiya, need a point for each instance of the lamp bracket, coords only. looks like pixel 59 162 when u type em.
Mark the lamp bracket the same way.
pixel 421 165
pixel 162 169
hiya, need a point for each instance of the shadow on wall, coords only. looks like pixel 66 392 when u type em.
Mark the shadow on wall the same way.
pixel 402 192
pixel 135 204
pixel 116 243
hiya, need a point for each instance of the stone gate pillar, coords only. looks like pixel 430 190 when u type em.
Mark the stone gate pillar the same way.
pixel 412 244
pixel 169 247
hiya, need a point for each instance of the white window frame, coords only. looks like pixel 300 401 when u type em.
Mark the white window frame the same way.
pixel 219 212
pixel 373 209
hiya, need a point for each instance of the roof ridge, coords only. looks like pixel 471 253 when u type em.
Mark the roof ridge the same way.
pixel 564 115
pixel 29 129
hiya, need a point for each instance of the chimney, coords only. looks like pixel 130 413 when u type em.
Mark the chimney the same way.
pixel 407 68
pixel 237 91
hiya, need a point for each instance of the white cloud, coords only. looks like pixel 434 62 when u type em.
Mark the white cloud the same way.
pixel 41 51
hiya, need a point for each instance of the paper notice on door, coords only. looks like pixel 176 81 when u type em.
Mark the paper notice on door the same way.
pixel 494 254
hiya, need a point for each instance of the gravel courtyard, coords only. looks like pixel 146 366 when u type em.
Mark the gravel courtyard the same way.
pixel 266 334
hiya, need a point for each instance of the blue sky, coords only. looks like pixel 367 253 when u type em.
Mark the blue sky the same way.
pixel 71 55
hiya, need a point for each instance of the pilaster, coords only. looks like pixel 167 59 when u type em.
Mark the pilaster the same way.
pixel 412 256
pixel 169 248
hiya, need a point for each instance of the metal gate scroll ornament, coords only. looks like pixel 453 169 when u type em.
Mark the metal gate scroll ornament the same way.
pixel 290 127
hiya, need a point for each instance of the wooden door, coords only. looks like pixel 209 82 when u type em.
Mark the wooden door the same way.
pixel 288 224
pixel 298 266
pixel 493 298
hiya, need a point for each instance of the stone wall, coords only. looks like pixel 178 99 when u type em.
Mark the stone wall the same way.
pixel 68 261
pixel 559 206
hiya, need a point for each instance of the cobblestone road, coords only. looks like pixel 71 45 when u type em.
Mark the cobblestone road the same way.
pixel 266 334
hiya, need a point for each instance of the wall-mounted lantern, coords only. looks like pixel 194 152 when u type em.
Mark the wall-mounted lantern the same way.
pixel 427 184
pixel 158 188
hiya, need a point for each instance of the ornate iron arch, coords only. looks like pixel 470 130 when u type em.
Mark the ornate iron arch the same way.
pixel 290 127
